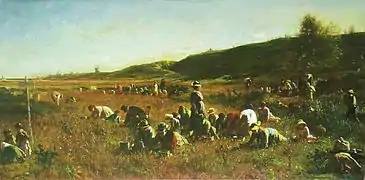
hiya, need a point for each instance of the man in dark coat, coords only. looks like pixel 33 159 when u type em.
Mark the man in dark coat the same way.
pixel 350 102
pixel 134 116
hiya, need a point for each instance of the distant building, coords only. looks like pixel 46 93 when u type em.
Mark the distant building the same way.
pixel 97 69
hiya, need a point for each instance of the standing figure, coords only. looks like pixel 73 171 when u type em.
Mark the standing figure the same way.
pixel 155 89
pixel 310 91
pixel 162 85
pixel 248 82
pixel 197 107
pixel 351 103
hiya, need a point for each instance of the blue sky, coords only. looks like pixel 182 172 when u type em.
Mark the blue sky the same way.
pixel 40 37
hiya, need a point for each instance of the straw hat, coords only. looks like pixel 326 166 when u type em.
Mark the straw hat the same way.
pixel 255 126
pixel 196 84
pixel 301 122
pixel 169 116
pixel 211 110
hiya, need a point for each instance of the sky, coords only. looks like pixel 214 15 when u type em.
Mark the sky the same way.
pixel 41 37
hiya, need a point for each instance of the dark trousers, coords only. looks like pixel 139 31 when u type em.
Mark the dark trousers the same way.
pixel 351 114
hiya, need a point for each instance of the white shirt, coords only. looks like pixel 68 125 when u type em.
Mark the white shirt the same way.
pixel 251 116
pixel 104 109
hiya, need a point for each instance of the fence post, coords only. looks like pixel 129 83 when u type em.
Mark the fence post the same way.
pixel 29 112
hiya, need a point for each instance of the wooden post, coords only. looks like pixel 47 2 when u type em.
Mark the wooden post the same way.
pixel 29 112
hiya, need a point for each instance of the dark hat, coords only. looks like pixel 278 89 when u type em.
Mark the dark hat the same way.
pixel 18 125
pixel 248 106
pixel 143 123
pixel 162 126
pixel 124 107
pixel 176 115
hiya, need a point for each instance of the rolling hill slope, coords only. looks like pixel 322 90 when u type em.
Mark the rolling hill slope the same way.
pixel 272 57
pixel 150 70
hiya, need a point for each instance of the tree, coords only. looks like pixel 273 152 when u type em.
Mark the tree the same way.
pixel 317 45
pixel 350 30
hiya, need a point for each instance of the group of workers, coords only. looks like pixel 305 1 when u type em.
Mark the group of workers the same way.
pixel 15 148
pixel 196 124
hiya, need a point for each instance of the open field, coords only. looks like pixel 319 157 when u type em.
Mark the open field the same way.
pixel 87 148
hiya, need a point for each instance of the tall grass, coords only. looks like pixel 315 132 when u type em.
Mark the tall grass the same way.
pixel 88 148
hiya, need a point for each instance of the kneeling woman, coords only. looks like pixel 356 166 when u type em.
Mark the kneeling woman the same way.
pixel 302 133
pixel 10 153
pixel 168 140
pixel 264 137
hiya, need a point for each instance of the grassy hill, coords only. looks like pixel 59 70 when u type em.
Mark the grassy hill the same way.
pixel 271 58
pixel 150 70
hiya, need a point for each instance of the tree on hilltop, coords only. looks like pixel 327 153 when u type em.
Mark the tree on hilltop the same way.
pixel 316 45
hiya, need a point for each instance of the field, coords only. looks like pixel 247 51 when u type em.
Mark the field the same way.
pixel 87 148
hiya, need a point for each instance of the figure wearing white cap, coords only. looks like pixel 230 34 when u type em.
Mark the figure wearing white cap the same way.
pixel 350 101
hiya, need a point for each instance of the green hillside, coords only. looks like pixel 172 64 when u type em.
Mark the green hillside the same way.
pixel 150 70
pixel 273 57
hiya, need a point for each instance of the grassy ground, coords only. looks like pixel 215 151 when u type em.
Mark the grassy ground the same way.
pixel 87 148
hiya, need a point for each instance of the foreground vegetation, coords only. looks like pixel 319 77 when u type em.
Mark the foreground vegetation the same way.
pixel 88 148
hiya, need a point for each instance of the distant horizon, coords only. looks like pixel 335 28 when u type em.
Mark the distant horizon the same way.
pixel 46 37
